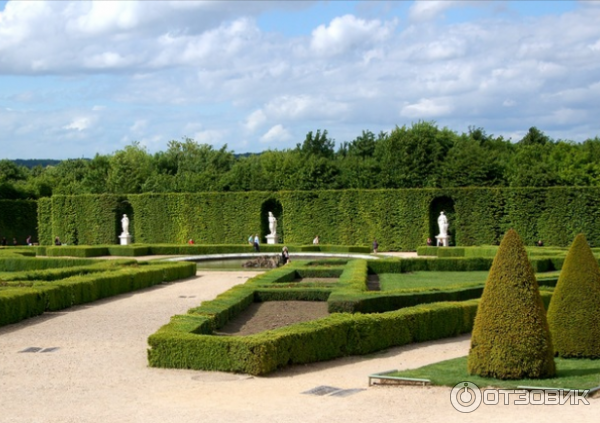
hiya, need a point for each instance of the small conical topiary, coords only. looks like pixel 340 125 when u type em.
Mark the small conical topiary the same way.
pixel 574 311
pixel 510 338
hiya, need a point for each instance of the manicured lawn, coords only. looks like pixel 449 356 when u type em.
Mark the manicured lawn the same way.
pixel 393 281
pixel 420 280
pixel 571 374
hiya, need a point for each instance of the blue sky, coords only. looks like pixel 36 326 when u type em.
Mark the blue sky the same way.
pixel 84 77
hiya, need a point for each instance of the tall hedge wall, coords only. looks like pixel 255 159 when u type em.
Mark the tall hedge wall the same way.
pixel 18 220
pixel 398 219
pixel 208 218
pixel 80 219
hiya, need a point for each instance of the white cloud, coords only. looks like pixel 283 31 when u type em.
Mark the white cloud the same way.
pixel 276 134
pixel 139 125
pixel 255 119
pixel 422 10
pixel 427 108
pixel 210 136
pixel 79 124
pixel 348 32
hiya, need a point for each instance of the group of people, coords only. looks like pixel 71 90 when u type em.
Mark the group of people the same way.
pixel 4 241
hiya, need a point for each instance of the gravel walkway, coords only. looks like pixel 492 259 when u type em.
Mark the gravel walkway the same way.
pixel 99 373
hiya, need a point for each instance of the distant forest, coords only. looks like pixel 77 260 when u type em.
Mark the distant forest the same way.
pixel 418 156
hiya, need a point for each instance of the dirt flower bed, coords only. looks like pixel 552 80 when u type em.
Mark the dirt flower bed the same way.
pixel 272 315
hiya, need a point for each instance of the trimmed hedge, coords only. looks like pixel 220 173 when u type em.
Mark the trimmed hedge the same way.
pixel 17 304
pixel 511 339
pixel 16 264
pixel 574 312
pixel 398 219
pixel 180 344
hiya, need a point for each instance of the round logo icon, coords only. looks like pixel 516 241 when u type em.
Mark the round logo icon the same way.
pixel 465 397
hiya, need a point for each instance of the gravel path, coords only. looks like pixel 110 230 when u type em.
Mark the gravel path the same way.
pixel 99 373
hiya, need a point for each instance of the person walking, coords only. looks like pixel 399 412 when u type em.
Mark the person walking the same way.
pixel 375 246
pixel 256 243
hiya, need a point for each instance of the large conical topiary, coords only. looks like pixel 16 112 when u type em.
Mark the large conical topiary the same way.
pixel 510 337
pixel 574 311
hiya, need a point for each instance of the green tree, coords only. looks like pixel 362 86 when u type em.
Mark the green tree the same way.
pixel 413 157
pixel 510 338
pixel 574 311
pixel 129 170
pixel 317 145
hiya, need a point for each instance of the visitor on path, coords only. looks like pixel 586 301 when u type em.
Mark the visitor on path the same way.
pixel 191 241
pixel 285 256
pixel 57 241
pixel 28 240
pixel 15 243
pixel 251 240
pixel 256 243
pixel 540 243
pixel 316 240
pixel 375 246
pixel 429 242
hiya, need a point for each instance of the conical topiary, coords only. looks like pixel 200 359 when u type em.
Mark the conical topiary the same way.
pixel 510 337
pixel 574 311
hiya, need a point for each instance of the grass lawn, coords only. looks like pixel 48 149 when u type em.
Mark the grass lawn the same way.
pixel 420 280
pixel 571 374
pixel 393 281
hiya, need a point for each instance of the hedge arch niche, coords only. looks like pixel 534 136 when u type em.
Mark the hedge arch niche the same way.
pixel 442 204
pixel 274 206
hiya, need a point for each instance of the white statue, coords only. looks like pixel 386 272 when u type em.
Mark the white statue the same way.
pixel 272 224
pixel 443 224
pixel 125 223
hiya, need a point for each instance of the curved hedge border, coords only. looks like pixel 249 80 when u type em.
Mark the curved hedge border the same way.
pixel 180 344
pixel 187 341
pixel 18 303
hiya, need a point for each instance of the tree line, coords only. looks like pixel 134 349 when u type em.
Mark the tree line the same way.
pixel 418 156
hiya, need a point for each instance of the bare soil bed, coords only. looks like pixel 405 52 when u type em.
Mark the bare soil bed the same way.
pixel 321 280
pixel 272 315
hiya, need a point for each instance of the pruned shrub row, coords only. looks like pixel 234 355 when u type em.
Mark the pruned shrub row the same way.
pixel 17 304
pixel 184 249
pixel 19 263
pixel 178 345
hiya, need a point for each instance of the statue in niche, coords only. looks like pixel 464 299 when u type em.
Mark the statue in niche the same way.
pixel 272 224
pixel 125 224
pixel 443 224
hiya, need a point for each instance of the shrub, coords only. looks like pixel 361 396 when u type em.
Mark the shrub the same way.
pixel 511 339
pixel 574 312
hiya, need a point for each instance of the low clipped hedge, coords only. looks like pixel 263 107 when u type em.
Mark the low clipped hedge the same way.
pixel 430 264
pixel 188 340
pixel 136 250
pixel 181 344
pixel 376 302
pixel 76 251
pixel 38 296
pixel 20 263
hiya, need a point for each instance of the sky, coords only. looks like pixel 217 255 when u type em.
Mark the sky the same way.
pixel 80 78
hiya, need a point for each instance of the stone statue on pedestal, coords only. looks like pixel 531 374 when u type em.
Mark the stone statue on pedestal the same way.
pixel 125 224
pixel 125 237
pixel 272 224
pixel 272 238
pixel 443 237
